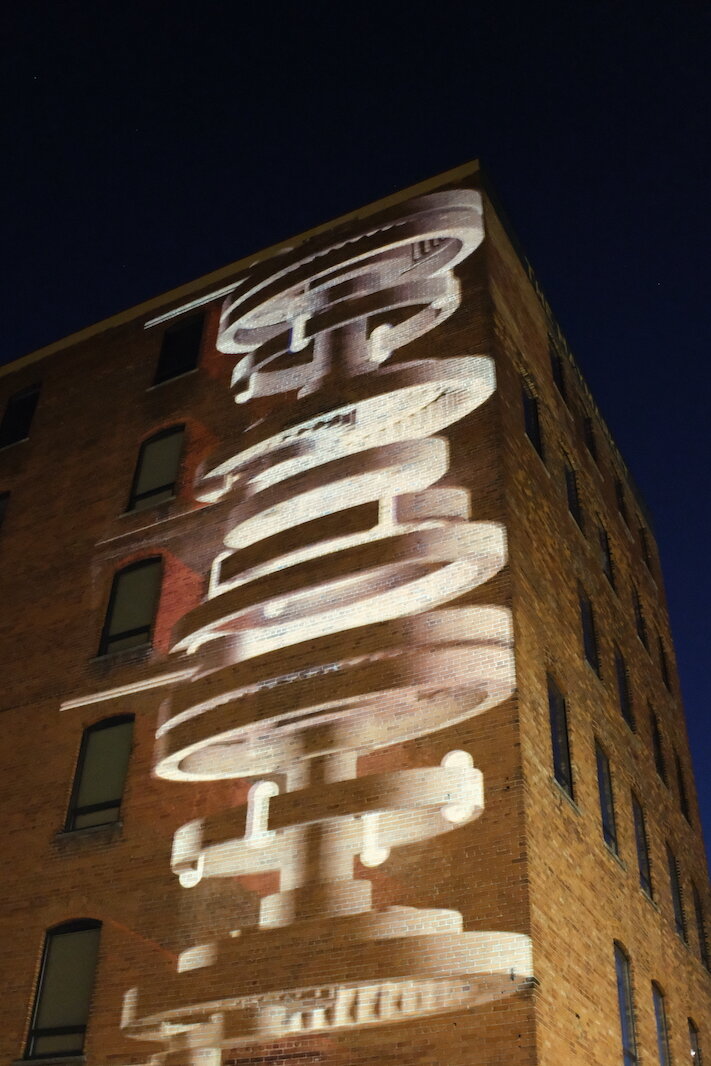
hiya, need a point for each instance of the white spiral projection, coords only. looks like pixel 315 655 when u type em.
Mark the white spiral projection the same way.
pixel 326 634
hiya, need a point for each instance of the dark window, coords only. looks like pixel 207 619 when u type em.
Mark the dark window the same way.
pixel 701 928
pixel 4 501
pixel 531 418
pixel 61 1008
pixel 590 438
pixel 16 421
pixel 101 773
pixel 606 555
pixel 572 494
pixel 663 663
pixel 644 544
pixel 657 746
pixel 677 901
pixel 156 473
pixel 660 1019
pixel 694 1045
pixel 640 624
pixel 621 501
pixel 587 622
pixel 132 606
pixel 562 770
pixel 557 369
pixel 624 999
pixel 640 836
pixel 180 349
pixel 607 806
pixel 681 784
pixel 624 694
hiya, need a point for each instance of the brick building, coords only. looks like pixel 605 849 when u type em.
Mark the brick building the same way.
pixel 341 723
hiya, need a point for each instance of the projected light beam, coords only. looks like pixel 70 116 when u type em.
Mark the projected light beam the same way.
pixel 326 634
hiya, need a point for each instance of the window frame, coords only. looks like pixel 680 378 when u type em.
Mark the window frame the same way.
pixel 590 438
pixel 608 818
pixel 700 919
pixel 135 497
pixel 557 368
pixel 572 493
pixel 74 811
pixel 624 690
pixel 640 621
pixel 30 391
pixel 591 647
pixel 106 636
pixel 625 1004
pixel 532 418
pixel 660 762
pixel 661 1025
pixel 622 502
pixel 607 562
pixel 677 895
pixel 37 1032
pixel 560 738
pixel 163 362
pixel 694 1043
pixel 641 838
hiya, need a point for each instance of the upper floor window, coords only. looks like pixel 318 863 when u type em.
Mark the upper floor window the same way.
pixel 642 846
pixel 132 606
pixel 677 900
pixel 531 417
pixel 590 438
pixel 681 785
pixel 587 622
pixel 572 494
pixel 660 1019
pixel 606 555
pixel 626 1006
pixel 701 928
pixel 4 501
pixel 694 1044
pixel 101 773
pixel 180 349
pixel 17 419
pixel 657 746
pixel 663 662
pixel 156 473
pixel 562 770
pixel 621 501
pixel 624 694
pixel 61 1008
pixel 557 369
pixel 639 621
pixel 644 544
pixel 607 806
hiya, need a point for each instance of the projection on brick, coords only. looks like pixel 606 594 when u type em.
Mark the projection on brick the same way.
pixel 327 634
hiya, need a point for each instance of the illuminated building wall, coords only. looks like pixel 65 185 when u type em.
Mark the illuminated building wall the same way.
pixel 361 817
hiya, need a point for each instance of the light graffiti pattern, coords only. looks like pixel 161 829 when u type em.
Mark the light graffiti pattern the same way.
pixel 325 635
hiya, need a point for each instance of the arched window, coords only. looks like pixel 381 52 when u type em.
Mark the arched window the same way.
pixel 61 1007
pixel 101 773
pixel 132 606
pixel 156 474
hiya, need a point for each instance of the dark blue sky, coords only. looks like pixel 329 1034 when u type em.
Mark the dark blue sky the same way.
pixel 144 144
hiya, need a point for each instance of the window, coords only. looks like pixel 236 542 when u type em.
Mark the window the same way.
pixel 694 1045
pixel 640 624
pixel 590 438
pixel 640 836
pixel 61 1006
pixel 557 369
pixel 587 622
pixel 572 494
pixel 132 605
pixel 624 999
pixel 677 901
pixel 562 770
pixel 531 418
pixel 101 773
pixel 156 472
pixel 621 501
pixel 4 500
pixel 663 663
pixel 623 689
pixel 180 349
pixel 660 1018
pixel 16 421
pixel 657 746
pixel 681 784
pixel 607 807
pixel 701 928
pixel 644 544
pixel 606 555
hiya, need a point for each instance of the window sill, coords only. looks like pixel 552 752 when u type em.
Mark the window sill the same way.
pixel 70 840
pixel 613 854
pixel 132 512
pixel 62 1060
pixel 167 381
pixel 4 448
pixel 560 791
pixel 137 654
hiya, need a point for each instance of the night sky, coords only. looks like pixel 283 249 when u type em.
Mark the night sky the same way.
pixel 146 144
